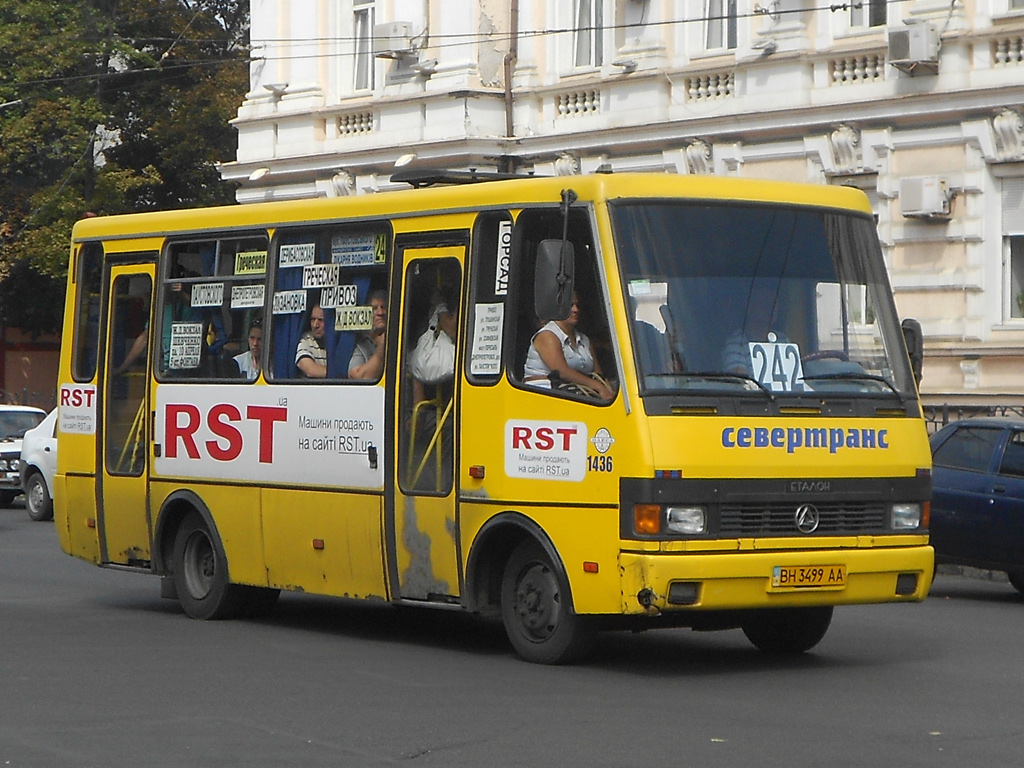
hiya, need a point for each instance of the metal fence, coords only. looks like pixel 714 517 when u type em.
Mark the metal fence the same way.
pixel 45 400
pixel 938 415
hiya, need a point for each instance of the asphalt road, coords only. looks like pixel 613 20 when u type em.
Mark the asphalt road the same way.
pixel 97 670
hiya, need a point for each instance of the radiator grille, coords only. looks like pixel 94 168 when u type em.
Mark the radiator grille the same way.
pixel 755 519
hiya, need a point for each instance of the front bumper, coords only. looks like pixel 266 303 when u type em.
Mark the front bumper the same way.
pixel 742 579
pixel 10 479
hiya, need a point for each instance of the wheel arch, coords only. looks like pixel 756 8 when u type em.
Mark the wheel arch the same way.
pixel 490 551
pixel 33 469
pixel 172 512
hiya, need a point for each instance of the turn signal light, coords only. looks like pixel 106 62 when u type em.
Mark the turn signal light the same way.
pixel 647 519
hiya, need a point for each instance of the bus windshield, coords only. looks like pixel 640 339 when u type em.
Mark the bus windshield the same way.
pixel 759 299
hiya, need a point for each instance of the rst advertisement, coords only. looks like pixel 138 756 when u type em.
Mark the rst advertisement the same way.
pixel 297 435
pixel 546 450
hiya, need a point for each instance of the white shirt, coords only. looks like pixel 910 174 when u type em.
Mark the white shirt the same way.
pixel 247 366
pixel 579 358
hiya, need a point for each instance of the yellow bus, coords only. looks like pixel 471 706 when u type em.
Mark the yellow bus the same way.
pixel 581 403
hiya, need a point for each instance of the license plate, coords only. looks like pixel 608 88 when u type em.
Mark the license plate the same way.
pixel 808 577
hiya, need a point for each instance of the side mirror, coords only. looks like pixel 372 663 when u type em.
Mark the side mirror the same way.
pixel 553 280
pixel 913 337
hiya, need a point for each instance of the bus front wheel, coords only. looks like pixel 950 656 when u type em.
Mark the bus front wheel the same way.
pixel 37 499
pixel 788 630
pixel 201 573
pixel 536 610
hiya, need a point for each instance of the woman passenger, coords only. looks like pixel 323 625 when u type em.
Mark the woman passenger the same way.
pixel 558 348
pixel 249 362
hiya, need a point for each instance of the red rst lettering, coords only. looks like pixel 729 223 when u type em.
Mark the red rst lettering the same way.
pixel 74 397
pixel 521 437
pixel 266 415
pixel 545 441
pixel 226 431
pixel 566 433
pixel 174 430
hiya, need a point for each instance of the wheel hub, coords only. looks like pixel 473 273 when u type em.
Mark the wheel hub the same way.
pixel 200 565
pixel 537 602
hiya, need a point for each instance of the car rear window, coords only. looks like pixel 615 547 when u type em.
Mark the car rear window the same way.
pixel 1013 457
pixel 969 448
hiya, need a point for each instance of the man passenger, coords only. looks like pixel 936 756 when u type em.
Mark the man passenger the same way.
pixel 367 361
pixel 311 352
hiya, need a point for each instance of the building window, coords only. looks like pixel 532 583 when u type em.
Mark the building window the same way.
pixel 363 29
pixel 1017 5
pixel 589 33
pixel 1013 248
pixel 870 13
pixel 721 19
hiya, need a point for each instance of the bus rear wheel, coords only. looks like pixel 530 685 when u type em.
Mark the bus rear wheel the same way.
pixel 537 612
pixel 788 630
pixel 201 573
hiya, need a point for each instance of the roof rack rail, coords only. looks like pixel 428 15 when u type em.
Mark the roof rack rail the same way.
pixel 428 178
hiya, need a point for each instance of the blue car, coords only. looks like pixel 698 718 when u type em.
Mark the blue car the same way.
pixel 977 514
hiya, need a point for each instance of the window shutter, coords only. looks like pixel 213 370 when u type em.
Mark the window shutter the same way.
pixel 1013 206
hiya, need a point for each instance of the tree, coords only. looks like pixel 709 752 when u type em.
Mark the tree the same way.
pixel 110 106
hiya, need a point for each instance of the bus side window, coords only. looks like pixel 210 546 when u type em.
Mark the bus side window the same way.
pixel 212 300
pixel 329 304
pixel 87 319
pixel 583 338
pixel 492 261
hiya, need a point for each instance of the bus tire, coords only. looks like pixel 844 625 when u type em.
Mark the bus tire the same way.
pixel 537 612
pixel 788 630
pixel 38 503
pixel 201 573
pixel 1016 580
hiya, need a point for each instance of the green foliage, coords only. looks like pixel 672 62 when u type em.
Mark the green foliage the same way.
pixel 31 300
pixel 120 106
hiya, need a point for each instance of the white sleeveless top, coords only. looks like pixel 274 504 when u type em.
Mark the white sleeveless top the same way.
pixel 580 358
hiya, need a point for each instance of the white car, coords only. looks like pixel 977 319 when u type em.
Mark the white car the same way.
pixel 15 421
pixel 38 465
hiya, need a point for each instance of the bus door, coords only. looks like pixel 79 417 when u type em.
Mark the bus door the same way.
pixel 423 516
pixel 123 519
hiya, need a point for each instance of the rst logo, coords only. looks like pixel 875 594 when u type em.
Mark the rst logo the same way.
pixel 77 412
pixel 546 450
pixel 183 420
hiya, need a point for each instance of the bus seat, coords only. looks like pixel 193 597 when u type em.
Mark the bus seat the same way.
pixel 653 349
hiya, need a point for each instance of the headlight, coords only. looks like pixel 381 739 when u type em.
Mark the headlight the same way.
pixel 688 520
pixel 906 517
pixel 3 464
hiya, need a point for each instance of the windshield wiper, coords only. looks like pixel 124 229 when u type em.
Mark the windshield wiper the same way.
pixel 850 376
pixel 720 377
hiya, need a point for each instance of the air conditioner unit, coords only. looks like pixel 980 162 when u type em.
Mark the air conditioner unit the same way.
pixel 392 40
pixel 924 197
pixel 915 49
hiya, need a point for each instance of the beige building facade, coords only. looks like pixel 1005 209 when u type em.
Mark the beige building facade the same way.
pixel 918 103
